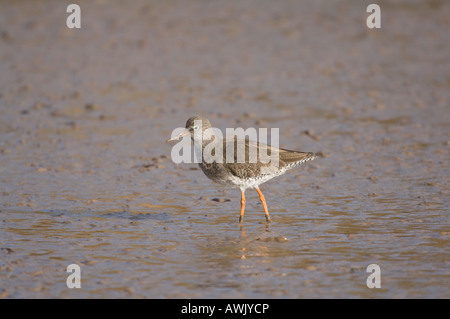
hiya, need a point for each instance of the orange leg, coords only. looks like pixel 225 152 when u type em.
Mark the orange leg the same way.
pixel 263 201
pixel 241 217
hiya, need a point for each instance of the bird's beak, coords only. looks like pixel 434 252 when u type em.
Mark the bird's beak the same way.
pixel 177 137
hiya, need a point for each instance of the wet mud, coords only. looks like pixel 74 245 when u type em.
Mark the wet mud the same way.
pixel 86 177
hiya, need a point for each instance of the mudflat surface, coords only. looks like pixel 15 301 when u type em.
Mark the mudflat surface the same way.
pixel 86 176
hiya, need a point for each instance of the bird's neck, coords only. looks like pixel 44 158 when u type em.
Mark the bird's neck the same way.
pixel 201 144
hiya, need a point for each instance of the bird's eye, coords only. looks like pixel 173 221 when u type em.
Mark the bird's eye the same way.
pixel 196 127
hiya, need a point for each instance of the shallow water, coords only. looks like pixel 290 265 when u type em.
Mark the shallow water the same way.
pixel 87 179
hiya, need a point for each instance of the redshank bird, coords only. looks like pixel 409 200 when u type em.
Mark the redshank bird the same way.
pixel 233 170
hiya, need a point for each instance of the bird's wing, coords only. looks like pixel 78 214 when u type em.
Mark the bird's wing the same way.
pixel 269 159
pixel 289 157
pixel 241 157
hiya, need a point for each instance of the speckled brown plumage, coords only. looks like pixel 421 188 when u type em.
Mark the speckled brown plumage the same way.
pixel 236 170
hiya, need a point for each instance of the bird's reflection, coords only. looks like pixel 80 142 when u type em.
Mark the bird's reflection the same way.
pixel 245 240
